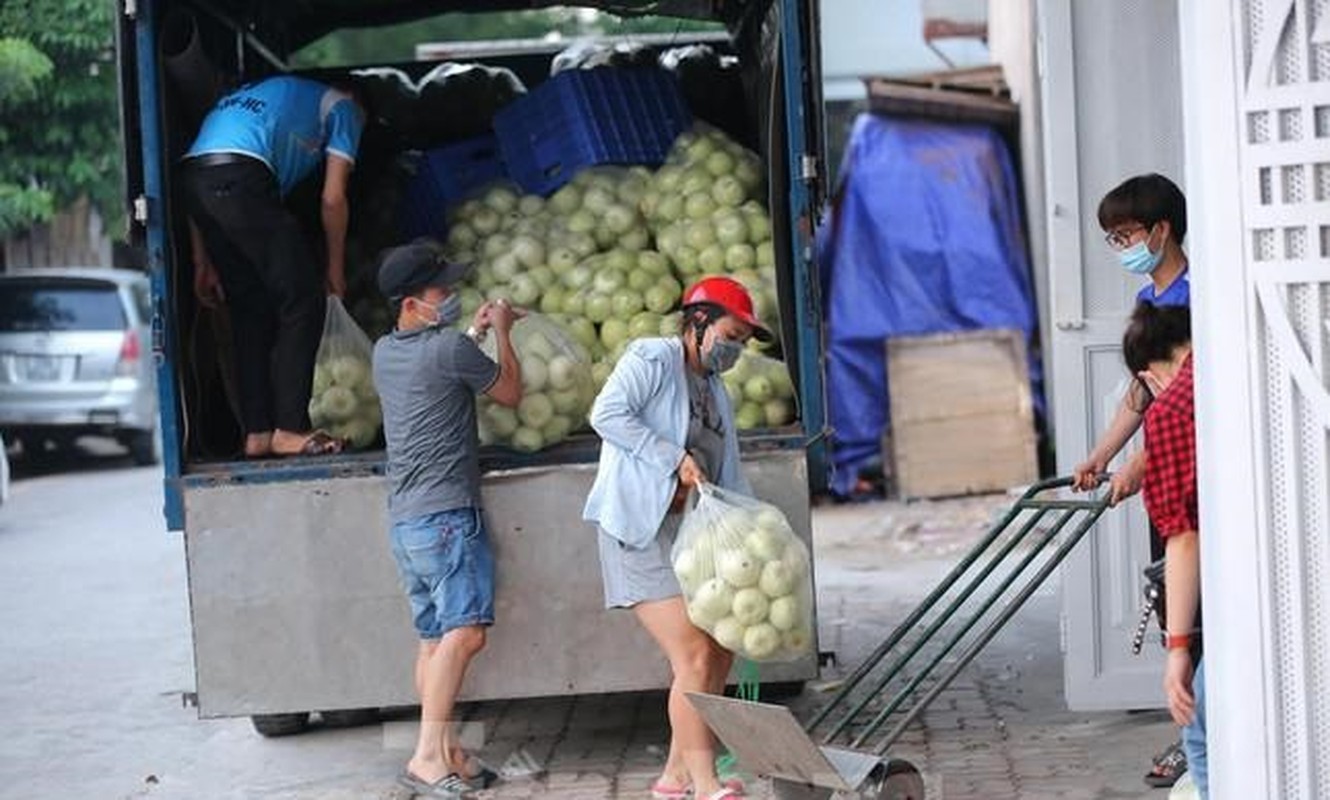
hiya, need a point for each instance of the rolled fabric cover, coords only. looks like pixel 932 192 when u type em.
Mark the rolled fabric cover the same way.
pixel 196 80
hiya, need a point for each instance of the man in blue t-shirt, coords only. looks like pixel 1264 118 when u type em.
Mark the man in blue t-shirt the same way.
pixel 248 250
pixel 1145 221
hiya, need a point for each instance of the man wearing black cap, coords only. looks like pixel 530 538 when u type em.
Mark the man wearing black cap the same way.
pixel 428 375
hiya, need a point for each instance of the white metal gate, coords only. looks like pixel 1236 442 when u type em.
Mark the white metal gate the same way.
pixel 1112 107
pixel 1258 138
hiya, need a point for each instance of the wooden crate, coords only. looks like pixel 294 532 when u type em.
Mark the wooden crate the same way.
pixel 962 418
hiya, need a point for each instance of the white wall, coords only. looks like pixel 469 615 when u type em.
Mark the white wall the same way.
pixel 1012 40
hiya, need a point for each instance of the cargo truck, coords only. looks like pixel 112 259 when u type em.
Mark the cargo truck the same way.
pixel 294 601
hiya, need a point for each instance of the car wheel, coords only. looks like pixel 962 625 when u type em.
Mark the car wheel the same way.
pixel 273 725
pixel 895 780
pixel 146 447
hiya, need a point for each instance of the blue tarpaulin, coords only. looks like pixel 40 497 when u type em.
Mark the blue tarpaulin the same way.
pixel 925 236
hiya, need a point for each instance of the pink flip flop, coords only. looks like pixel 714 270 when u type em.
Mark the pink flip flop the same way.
pixel 664 791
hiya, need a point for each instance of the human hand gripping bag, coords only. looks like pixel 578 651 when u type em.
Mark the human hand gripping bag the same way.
pixel 343 401
pixel 745 576
pixel 557 390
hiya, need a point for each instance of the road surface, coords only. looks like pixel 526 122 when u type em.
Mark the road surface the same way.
pixel 95 658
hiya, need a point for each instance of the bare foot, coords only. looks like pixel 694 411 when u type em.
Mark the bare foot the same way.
pixel 674 780
pixel 258 445
pixel 428 771
pixel 311 443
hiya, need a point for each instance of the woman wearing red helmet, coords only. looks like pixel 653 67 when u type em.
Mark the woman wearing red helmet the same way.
pixel 666 425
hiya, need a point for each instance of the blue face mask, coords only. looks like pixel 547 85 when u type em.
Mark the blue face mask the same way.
pixel 1139 260
pixel 723 355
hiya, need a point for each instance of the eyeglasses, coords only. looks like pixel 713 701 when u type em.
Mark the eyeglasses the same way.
pixel 1120 238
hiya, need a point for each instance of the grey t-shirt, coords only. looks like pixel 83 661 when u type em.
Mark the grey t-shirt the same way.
pixel 706 430
pixel 427 382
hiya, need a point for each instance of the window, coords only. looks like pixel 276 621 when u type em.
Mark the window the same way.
pixel 29 305
pixel 142 302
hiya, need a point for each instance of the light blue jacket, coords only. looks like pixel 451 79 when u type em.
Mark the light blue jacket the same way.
pixel 642 418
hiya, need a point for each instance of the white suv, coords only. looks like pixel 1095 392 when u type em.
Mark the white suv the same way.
pixel 75 359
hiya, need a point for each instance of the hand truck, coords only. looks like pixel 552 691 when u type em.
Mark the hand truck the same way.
pixel 844 749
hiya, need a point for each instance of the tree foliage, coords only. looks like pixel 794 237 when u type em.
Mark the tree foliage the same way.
pixel 396 43
pixel 59 127
pixel 22 67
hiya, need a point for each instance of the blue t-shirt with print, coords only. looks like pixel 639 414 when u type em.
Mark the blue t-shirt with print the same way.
pixel 1177 293
pixel 287 123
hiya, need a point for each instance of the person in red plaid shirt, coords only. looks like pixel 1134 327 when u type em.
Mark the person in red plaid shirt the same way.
pixel 1157 349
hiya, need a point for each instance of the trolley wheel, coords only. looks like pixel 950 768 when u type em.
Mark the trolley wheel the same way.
pixel 350 717
pixel 894 780
pixel 273 725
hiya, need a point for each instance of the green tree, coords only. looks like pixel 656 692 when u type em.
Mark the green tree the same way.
pixel 59 127
pixel 22 70
pixel 22 67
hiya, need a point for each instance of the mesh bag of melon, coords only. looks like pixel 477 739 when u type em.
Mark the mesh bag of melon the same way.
pixel 557 390
pixel 343 401
pixel 745 576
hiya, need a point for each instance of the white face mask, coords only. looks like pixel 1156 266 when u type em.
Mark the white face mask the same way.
pixel 445 313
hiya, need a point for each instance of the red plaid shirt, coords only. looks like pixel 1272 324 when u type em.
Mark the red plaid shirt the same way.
pixel 1170 457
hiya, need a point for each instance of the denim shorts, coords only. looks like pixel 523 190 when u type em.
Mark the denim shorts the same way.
pixel 447 569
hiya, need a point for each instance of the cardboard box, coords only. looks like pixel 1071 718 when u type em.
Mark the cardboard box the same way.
pixel 962 416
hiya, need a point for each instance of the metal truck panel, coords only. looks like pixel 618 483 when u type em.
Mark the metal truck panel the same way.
pixel 296 604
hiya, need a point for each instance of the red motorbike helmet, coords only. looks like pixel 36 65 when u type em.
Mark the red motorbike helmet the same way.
pixel 731 296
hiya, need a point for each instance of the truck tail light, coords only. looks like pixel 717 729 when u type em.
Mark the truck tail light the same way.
pixel 130 352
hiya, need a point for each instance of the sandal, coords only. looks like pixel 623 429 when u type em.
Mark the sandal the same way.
pixel 663 791
pixel 317 443
pixel 1168 767
pixel 726 792
pixel 483 778
pixel 450 787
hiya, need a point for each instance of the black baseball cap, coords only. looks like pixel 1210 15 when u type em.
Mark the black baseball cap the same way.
pixel 407 269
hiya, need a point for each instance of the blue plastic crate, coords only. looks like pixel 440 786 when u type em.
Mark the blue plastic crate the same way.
pixel 580 118
pixel 445 176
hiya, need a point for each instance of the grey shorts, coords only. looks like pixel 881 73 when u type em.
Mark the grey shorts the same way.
pixel 634 575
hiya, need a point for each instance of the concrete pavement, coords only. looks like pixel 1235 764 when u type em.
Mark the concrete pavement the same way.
pixel 96 657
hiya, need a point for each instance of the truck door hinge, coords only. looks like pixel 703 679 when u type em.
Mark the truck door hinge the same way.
pixel 158 331
pixel 132 8
pixel 808 167
pixel 141 210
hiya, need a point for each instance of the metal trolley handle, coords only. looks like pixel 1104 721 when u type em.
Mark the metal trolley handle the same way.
pixel 900 678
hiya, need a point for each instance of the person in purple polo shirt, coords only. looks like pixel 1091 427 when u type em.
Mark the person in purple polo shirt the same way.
pixel 249 250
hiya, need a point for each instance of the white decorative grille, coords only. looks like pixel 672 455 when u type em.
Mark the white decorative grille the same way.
pixel 1286 104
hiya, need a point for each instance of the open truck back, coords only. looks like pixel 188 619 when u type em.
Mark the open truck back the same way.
pixel 294 600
